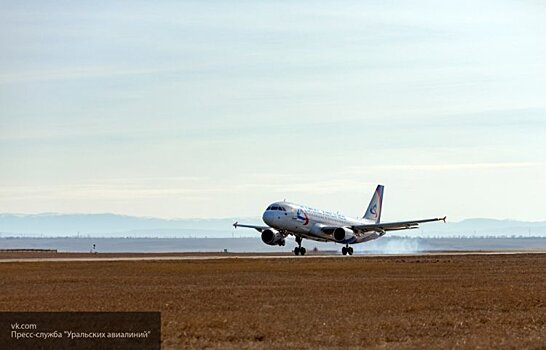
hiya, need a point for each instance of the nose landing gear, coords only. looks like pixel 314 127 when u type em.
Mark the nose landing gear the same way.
pixel 347 250
pixel 299 250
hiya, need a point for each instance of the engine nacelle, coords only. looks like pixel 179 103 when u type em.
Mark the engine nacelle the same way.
pixel 343 234
pixel 272 237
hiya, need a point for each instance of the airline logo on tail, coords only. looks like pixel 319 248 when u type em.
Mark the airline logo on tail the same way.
pixel 373 211
pixel 374 208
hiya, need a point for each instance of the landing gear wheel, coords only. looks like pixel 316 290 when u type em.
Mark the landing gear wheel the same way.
pixel 350 250
pixel 344 251
pixel 299 250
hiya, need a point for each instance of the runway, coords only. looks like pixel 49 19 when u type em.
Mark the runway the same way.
pixel 110 257
pixel 479 299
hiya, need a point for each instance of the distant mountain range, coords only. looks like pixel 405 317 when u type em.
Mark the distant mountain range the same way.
pixel 112 225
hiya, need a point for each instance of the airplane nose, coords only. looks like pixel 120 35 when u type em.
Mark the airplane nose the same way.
pixel 268 217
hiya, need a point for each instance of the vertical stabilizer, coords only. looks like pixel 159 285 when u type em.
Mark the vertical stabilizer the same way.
pixel 373 213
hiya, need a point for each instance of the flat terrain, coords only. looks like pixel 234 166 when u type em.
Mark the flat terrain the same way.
pixel 439 301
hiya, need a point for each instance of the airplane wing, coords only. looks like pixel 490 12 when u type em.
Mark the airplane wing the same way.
pixel 257 228
pixel 393 226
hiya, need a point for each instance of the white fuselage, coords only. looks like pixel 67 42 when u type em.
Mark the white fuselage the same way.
pixel 285 219
pixel 306 221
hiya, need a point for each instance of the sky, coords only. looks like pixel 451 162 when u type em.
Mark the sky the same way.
pixel 218 108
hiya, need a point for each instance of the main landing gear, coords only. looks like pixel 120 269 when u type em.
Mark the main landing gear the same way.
pixel 299 250
pixel 347 250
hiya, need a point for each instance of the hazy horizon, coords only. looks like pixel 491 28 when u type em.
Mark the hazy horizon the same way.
pixel 256 217
pixel 111 225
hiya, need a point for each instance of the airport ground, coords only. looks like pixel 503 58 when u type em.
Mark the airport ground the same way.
pixel 394 302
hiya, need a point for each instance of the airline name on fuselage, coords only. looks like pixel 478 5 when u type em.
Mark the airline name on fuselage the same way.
pixel 317 214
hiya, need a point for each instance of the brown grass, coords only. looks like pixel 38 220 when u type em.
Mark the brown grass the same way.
pixel 495 301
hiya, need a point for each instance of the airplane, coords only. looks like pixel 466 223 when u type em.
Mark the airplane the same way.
pixel 285 218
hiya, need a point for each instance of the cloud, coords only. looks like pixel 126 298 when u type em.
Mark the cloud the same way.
pixel 326 186
pixel 79 73
pixel 172 187
pixel 449 167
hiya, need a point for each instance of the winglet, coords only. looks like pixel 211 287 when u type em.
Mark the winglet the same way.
pixel 236 224
pixel 444 219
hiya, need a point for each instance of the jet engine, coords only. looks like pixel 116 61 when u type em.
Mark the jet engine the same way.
pixel 272 237
pixel 343 234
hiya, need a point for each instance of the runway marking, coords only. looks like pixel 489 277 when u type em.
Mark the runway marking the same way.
pixel 219 257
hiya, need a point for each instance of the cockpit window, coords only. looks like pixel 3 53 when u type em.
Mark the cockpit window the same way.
pixel 276 207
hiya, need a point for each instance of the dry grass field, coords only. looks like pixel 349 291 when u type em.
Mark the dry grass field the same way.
pixel 419 302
